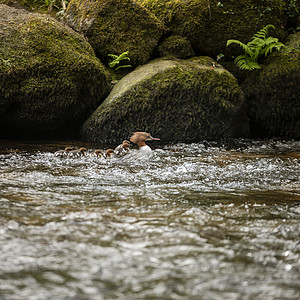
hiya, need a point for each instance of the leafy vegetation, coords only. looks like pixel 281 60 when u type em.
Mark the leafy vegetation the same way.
pixel 58 5
pixel 116 61
pixel 259 45
pixel 52 6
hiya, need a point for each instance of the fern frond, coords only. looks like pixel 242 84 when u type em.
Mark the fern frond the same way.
pixel 279 45
pixel 244 46
pixel 270 47
pixel 123 56
pixel 260 44
pixel 113 56
pixel 261 34
pixel 123 67
pixel 245 62
pixel 113 63
pixel 256 45
pixel 270 40
pixel 116 59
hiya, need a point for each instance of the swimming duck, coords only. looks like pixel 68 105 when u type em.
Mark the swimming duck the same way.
pixel 63 153
pixel 140 139
pixel 122 149
pixel 77 153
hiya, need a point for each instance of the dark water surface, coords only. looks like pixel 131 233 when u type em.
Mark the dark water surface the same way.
pixel 189 223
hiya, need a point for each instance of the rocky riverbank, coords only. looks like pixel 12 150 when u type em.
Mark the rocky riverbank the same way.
pixel 55 77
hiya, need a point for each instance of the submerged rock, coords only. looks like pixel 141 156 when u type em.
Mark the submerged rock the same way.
pixel 49 74
pixel 175 100
pixel 116 26
pixel 273 94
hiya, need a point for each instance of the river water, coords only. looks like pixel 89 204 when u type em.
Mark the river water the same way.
pixel 188 223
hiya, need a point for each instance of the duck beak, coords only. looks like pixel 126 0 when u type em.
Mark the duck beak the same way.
pixel 154 139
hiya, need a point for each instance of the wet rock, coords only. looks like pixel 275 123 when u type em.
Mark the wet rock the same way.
pixel 272 94
pixel 113 27
pixel 209 24
pixel 175 100
pixel 49 74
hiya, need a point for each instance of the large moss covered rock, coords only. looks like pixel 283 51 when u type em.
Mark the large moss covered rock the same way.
pixel 175 100
pixel 116 26
pixel 209 24
pixel 49 75
pixel 273 94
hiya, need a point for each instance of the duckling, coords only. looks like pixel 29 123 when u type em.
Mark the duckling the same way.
pixel 122 149
pixel 63 153
pixel 97 153
pixel 108 153
pixel 77 153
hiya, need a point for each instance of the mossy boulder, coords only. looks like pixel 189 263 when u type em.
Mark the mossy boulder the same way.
pixel 116 26
pixel 49 75
pixel 273 94
pixel 176 100
pixel 209 24
pixel 176 46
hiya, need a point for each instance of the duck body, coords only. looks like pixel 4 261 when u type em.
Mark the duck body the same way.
pixel 145 151
pixel 122 149
pixel 140 139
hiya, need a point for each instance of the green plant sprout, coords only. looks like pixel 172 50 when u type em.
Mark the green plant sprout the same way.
pixel 58 5
pixel 259 45
pixel 116 60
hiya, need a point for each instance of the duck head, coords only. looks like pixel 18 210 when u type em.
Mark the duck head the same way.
pixel 109 152
pixel 82 150
pixel 68 149
pixel 126 144
pixel 140 138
